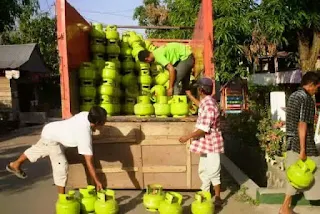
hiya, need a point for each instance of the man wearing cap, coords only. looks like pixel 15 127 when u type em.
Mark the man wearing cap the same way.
pixel 207 138
pixel 177 59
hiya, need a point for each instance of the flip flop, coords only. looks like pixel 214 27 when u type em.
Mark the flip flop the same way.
pixel 20 174
pixel 219 203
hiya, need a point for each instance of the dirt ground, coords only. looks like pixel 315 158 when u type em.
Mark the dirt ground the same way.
pixel 37 194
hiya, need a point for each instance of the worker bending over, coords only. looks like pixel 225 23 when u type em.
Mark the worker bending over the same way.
pixel 177 59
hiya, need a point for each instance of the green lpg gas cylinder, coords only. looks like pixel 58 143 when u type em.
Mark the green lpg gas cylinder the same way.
pixel 161 107
pixel 179 106
pixel 145 89
pixel 109 71
pixel 136 50
pixel 67 204
pixel 127 64
pixel 87 71
pixel 97 46
pixel 145 80
pixel 97 31
pixel 87 89
pixel 106 99
pixel 129 79
pixel 112 33
pixel 133 38
pixel 171 204
pixel 128 107
pixel 109 107
pixel 132 91
pixel 143 108
pixel 107 87
pixel 125 51
pixel 162 77
pixel 202 203
pixel 115 59
pixel 153 197
pixel 87 103
pixel 300 174
pixel 87 199
pixel 156 91
pixel 142 66
pixel 106 202
pixel 112 48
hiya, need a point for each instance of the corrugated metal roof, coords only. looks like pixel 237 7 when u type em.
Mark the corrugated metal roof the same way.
pixel 24 57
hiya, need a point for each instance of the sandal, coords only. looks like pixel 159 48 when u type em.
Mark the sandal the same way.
pixel 218 203
pixel 20 174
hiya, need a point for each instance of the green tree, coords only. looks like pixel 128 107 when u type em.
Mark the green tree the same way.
pixel 294 21
pixel 36 27
pixel 232 27
pixel 9 11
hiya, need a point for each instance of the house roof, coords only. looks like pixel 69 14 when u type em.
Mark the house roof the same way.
pixel 24 57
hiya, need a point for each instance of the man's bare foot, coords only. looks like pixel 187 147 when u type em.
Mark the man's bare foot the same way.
pixel 286 211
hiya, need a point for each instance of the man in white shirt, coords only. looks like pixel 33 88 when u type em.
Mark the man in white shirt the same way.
pixel 73 132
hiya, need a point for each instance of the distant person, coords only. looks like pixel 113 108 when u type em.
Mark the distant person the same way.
pixel 300 115
pixel 177 59
pixel 73 132
pixel 207 138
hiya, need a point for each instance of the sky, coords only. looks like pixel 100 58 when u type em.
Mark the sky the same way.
pixel 117 12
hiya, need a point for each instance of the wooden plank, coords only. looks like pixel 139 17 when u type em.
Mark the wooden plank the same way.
pixel 168 128
pixel 123 132
pixel 189 172
pixel 171 155
pixel 121 180
pixel 77 177
pixel 160 141
pixel 167 180
pixel 115 140
pixel 116 155
pixel 117 169
pixel 5 93
pixel 196 182
pixel 5 89
pixel 195 158
pixel 133 118
pixel 164 169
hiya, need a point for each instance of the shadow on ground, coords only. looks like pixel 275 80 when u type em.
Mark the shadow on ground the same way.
pixel 9 134
pixel 38 171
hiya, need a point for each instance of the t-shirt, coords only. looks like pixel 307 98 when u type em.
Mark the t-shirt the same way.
pixel 300 107
pixel 72 132
pixel 171 53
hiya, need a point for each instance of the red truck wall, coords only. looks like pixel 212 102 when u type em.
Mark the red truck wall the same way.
pixel 73 44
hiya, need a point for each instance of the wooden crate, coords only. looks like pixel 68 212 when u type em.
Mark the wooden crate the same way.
pixel 131 155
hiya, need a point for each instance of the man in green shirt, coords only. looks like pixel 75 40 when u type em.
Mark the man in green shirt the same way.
pixel 177 59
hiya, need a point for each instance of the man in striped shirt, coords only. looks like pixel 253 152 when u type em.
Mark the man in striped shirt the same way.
pixel 300 113
pixel 207 138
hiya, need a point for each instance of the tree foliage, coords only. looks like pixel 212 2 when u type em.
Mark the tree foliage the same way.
pixel 243 29
pixel 35 27
pixel 232 27
pixel 297 21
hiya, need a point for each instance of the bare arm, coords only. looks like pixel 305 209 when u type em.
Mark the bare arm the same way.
pixel 302 132
pixel 172 75
pixel 192 98
pixel 196 134
pixel 92 171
